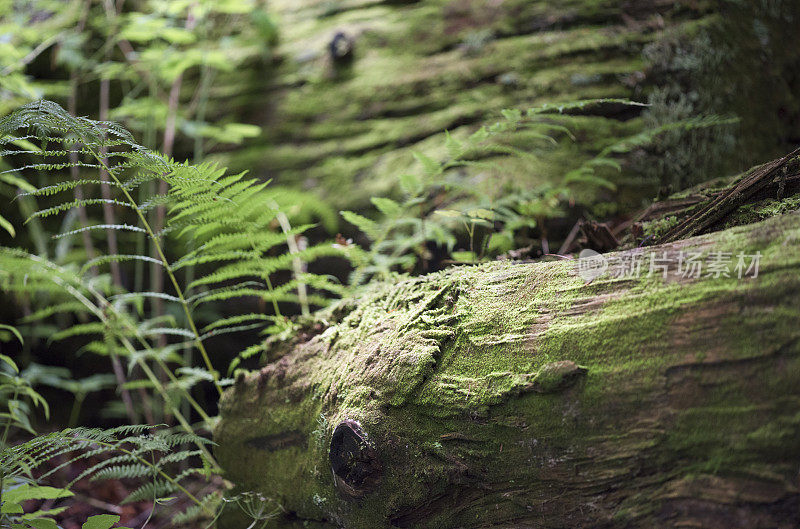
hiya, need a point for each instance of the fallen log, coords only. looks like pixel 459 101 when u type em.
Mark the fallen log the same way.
pixel 521 395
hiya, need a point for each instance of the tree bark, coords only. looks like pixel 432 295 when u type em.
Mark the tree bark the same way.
pixel 418 68
pixel 521 396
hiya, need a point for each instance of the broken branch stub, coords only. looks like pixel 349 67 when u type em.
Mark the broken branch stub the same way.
pixel 354 462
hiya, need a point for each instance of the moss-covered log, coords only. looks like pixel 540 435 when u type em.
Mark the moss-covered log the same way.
pixel 420 67
pixel 519 396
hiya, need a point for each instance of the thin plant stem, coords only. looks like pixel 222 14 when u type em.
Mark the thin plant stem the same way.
pixel 111 238
pixel 86 236
pixel 102 315
pixel 105 190
pixel 297 263
pixel 156 274
pixel 170 273
pixel 75 412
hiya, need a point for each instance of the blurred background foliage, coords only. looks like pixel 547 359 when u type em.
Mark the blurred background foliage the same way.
pixel 160 68
pixel 444 131
pixel 259 87
pixel 343 106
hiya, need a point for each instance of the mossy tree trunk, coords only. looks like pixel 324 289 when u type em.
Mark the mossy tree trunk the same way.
pixel 421 67
pixel 519 396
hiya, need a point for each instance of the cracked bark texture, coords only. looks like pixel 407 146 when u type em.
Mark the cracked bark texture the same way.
pixel 518 396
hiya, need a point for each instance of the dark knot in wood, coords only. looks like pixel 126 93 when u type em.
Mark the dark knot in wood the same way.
pixel 341 49
pixel 355 464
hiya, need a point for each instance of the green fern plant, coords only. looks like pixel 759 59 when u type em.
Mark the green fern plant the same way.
pixel 16 395
pixel 239 235
pixel 442 204
pixel 150 456
pixel 235 225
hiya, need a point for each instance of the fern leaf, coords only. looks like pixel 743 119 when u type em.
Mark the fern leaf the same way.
pixel 139 295
pixel 79 330
pixel 169 331
pixel 208 504
pixel 115 227
pixel 150 492
pixel 43 213
pixel 65 186
pixel 231 329
pixel 6 225
pixel 249 352
pixel 369 227
pixel 118 258
pixel 132 471
pixel 233 320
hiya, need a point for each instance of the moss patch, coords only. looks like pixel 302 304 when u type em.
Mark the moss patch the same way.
pixel 423 67
pixel 458 379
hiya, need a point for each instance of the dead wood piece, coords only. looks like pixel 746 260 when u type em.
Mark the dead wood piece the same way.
pixel 770 176
pixel 598 236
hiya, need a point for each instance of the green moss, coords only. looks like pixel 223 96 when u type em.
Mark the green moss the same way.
pixel 656 228
pixel 452 374
pixel 424 67
pixel 764 209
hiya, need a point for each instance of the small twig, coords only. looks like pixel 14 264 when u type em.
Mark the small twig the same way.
pixel 573 233
pixel 728 201
pixel 110 507
pixel 35 52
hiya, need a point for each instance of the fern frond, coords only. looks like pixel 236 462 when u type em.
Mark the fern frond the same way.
pixel 185 333
pixel 233 320
pixel 150 492
pixel 79 330
pixel 118 258
pixel 233 255
pixel 259 267
pixel 208 503
pixel 240 230
pixel 249 352
pixel 64 186
pixel 140 295
pixel 233 328
pixel 66 307
pixel 61 208
pixel 132 471
pixel 127 449
pixel 115 227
